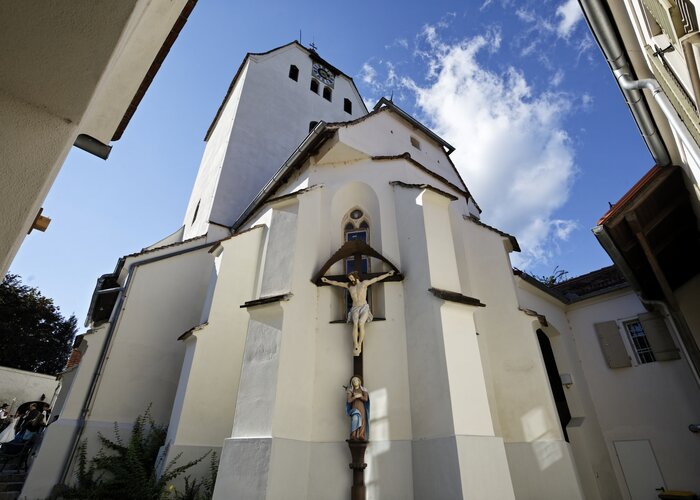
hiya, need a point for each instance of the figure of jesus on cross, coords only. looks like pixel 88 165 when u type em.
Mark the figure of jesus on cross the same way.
pixel 359 314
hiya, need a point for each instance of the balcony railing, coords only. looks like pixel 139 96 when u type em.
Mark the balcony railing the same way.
pixel 675 93
pixel 668 16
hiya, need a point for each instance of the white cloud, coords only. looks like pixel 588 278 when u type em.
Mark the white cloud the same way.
pixel 399 42
pixel 527 16
pixel 568 14
pixel 391 78
pixel 512 149
pixel 557 78
pixel 368 74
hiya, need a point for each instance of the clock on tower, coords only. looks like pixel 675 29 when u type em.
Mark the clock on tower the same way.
pixel 323 75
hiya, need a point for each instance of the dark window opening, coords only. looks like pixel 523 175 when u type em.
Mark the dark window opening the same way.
pixel 347 106
pixel 196 211
pixel 294 73
pixel 327 93
pixel 555 382
pixel 415 143
pixel 312 125
pixel 314 86
pixel 362 266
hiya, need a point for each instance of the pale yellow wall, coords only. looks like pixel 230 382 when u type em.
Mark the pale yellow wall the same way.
pixel 164 299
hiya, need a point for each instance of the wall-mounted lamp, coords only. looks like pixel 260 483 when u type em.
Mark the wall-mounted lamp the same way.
pixel 566 380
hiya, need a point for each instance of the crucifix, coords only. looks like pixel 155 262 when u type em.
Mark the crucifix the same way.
pixel 360 313
pixel 357 396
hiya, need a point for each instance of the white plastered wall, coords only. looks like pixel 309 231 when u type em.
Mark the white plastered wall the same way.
pixel 650 401
pixel 396 140
pixel 522 404
pixel 19 386
pixel 587 444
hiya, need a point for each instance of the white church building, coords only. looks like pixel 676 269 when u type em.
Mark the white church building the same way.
pixel 483 382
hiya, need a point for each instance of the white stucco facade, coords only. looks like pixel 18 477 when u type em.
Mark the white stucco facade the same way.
pixel 19 386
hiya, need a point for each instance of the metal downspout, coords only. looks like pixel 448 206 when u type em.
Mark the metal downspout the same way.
pixel 609 42
pixel 666 107
pixel 97 374
pixel 682 332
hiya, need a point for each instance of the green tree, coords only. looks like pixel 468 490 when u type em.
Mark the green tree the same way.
pixel 34 335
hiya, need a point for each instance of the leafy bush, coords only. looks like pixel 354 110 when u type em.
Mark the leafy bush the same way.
pixel 203 489
pixel 126 471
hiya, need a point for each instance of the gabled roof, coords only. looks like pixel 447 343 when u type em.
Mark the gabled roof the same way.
pixel 594 283
pixel 385 105
pixel 311 53
pixel 513 241
pixel 384 102
pixel 601 281
pixel 311 144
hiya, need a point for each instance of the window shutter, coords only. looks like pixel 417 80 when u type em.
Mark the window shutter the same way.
pixel 611 344
pixel 659 337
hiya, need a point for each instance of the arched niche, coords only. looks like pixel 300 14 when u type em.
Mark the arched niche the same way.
pixel 351 195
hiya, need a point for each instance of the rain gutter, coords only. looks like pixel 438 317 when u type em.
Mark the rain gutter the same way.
pixel 609 41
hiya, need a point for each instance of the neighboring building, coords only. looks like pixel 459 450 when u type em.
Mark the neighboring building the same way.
pixel 652 232
pixel 72 74
pixel 483 383
pixel 625 382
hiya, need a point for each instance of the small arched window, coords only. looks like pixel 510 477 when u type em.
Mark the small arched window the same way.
pixel 314 86
pixel 294 73
pixel 356 227
pixel 327 93
pixel 347 106
pixel 312 125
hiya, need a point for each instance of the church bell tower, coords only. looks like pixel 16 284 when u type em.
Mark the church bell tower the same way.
pixel 275 100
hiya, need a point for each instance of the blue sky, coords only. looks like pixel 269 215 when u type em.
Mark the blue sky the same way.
pixel 544 139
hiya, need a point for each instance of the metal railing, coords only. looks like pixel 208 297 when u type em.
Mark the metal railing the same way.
pixel 667 16
pixel 676 94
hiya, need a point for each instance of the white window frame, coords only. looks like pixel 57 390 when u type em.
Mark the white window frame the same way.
pixel 629 343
